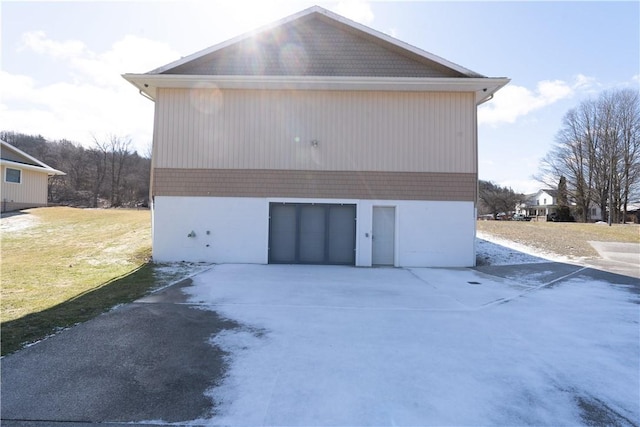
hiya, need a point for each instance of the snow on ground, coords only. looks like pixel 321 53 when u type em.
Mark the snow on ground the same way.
pixel 490 251
pixel 13 222
pixel 497 251
pixel 329 345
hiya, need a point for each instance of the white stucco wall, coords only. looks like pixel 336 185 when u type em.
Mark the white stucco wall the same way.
pixel 428 233
pixel 238 229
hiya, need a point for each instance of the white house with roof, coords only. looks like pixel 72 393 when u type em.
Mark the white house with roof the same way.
pixel 25 179
pixel 545 202
pixel 315 140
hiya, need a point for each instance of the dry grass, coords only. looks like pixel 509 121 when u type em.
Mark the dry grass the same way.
pixel 55 254
pixel 63 266
pixel 561 238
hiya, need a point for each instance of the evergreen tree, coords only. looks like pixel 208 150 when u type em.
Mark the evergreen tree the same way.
pixel 564 212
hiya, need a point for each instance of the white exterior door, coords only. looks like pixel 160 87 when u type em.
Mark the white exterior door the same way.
pixel 384 232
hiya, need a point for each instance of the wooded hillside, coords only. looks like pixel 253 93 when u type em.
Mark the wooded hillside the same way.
pixel 107 174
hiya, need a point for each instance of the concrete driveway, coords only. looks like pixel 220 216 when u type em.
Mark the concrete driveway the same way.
pixel 620 258
pixel 544 344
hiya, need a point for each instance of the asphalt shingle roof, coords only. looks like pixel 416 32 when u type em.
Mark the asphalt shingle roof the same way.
pixel 314 46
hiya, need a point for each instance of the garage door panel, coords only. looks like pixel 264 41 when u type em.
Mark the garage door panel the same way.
pixel 312 234
pixel 282 234
pixel 342 226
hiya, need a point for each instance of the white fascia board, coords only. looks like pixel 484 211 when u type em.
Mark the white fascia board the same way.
pixel 483 87
pixel 48 170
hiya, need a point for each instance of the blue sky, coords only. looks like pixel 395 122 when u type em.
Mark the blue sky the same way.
pixel 62 61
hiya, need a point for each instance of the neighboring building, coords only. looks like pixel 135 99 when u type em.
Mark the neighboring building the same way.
pixel 595 213
pixel 24 179
pixel 544 203
pixel 315 140
pixel 541 204
pixel 633 213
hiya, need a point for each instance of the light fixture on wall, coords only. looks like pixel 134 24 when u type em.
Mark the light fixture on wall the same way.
pixel 314 142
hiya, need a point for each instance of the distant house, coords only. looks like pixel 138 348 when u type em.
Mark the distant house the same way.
pixel 24 179
pixel 315 140
pixel 633 212
pixel 595 213
pixel 544 203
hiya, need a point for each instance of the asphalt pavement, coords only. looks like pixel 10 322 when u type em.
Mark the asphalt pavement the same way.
pixel 145 362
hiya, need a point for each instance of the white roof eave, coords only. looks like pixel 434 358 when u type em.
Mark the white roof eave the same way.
pixel 483 87
pixel 48 170
pixel 6 146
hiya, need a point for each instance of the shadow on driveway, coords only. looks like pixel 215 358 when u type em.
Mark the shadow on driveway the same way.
pixel 149 360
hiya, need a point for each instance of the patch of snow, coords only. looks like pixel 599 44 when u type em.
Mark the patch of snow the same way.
pixel 18 222
pixel 507 252
pixel 350 346
pixel 181 268
pixel 490 251
pixel 168 274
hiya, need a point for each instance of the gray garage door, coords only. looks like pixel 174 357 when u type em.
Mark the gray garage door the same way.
pixel 312 233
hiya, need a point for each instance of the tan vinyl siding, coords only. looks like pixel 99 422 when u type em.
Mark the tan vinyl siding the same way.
pixel 31 191
pixel 315 184
pixel 356 130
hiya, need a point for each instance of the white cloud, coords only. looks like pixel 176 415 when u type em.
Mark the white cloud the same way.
pixel 38 42
pixel 130 54
pixel 514 102
pixel 96 100
pixel 584 82
pixel 393 32
pixel 524 186
pixel 356 10
pixel 15 87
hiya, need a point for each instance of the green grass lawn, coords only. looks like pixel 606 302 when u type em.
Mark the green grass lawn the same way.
pixel 62 266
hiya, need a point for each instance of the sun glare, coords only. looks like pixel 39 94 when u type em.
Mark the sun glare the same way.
pixel 247 15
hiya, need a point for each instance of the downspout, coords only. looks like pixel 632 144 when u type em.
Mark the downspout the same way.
pixel 150 98
pixel 141 92
pixel 475 203
pixel 477 149
pixel 151 166
pixel 486 100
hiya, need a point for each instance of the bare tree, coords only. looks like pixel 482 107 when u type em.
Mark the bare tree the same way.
pixel 99 154
pixel 597 150
pixel 628 114
pixel 119 154
pixel 607 154
pixel 572 156
pixel 495 199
